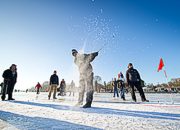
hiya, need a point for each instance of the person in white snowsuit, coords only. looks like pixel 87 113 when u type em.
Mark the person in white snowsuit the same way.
pixel 86 76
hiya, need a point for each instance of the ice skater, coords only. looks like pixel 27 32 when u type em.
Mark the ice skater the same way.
pixel 37 87
pixel 83 61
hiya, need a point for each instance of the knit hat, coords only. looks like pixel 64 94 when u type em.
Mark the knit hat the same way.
pixel 74 51
pixel 130 65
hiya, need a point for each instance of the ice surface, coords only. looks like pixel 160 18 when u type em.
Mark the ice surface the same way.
pixel 29 113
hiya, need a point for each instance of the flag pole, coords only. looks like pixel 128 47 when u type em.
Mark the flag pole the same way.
pixel 168 86
pixel 160 67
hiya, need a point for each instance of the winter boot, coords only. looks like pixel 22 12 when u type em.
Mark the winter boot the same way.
pixel 123 98
pixel 10 96
pixel 87 105
pixel 3 98
pixel 11 99
pixel 145 100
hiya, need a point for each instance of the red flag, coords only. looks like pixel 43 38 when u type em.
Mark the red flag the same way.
pixel 161 64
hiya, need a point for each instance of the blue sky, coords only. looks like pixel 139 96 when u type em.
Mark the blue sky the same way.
pixel 38 36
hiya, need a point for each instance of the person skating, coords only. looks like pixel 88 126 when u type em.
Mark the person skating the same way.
pixel 54 82
pixel 10 78
pixel 134 80
pixel 83 61
pixel 38 86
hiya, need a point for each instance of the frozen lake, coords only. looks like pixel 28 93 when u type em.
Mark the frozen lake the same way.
pixel 29 112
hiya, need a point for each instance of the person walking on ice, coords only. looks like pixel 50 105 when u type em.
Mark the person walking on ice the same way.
pixel 83 61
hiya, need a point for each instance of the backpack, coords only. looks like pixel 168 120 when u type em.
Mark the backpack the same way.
pixel 133 75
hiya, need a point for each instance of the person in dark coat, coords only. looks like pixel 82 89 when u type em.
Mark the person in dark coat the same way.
pixel 10 78
pixel 83 61
pixel 115 85
pixel 54 82
pixel 134 80
pixel 62 88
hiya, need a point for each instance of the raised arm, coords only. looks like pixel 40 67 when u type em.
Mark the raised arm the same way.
pixel 92 56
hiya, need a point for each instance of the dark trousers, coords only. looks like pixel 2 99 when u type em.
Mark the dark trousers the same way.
pixel 7 89
pixel 139 88
pixel 37 91
pixel 4 91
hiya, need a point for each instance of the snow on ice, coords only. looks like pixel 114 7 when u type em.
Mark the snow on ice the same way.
pixel 29 113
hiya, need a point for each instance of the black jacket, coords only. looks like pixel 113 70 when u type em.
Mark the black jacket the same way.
pixel 115 83
pixel 9 76
pixel 132 75
pixel 54 79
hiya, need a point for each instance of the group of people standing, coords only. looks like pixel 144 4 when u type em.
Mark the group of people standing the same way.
pixel 133 81
pixel 119 83
pixel 53 86
pixel 83 61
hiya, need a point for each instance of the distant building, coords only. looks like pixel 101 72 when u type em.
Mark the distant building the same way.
pixel 175 80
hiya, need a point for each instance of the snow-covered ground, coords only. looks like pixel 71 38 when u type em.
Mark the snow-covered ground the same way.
pixel 29 112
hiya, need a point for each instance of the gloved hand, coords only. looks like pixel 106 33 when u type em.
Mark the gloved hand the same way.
pixel 96 53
